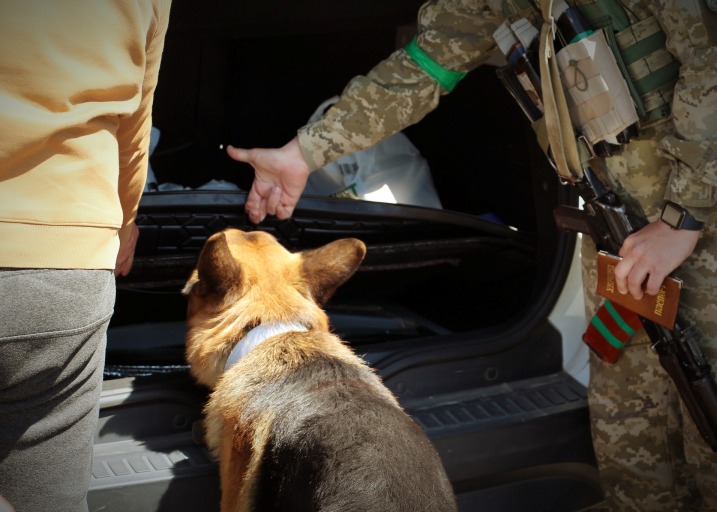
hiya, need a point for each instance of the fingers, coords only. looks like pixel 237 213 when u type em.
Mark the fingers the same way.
pixel 258 208
pixel 650 254
pixel 622 271
pixel 255 216
pixel 637 279
pixel 128 244
pixel 654 283
pixel 272 202
pixel 630 272
pixel 255 206
pixel 629 278
pixel 241 155
pixel 124 267
pixel 259 202
pixel 280 176
pixel 121 265
pixel 284 212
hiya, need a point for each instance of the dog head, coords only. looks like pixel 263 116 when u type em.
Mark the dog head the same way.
pixel 246 279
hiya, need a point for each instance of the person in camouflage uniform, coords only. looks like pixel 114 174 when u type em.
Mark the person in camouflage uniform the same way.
pixel 650 455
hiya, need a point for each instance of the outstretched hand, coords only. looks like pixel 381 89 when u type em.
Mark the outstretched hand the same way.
pixel 280 176
pixel 649 255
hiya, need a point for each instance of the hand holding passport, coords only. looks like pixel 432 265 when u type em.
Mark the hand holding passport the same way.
pixel 660 308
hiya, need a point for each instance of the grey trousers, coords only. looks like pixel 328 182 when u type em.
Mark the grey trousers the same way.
pixel 53 327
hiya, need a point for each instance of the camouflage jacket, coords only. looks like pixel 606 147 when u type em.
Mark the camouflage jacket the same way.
pixel 457 34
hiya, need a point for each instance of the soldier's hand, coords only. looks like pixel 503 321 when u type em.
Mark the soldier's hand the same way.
pixel 280 177
pixel 649 255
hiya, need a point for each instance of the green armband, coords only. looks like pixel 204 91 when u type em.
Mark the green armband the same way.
pixel 445 77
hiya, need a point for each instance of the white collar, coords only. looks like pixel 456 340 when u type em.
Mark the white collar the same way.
pixel 256 336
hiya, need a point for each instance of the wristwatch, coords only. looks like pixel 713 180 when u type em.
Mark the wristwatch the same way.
pixel 677 217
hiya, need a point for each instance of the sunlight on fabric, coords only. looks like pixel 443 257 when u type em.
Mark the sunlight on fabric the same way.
pixel 382 195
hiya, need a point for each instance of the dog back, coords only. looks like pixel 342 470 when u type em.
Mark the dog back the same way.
pixel 300 423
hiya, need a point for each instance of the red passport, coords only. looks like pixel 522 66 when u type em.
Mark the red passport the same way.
pixel 660 308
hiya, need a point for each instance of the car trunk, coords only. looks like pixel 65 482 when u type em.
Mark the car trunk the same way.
pixel 450 306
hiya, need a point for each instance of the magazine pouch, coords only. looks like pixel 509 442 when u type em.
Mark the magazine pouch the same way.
pixel 640 51
pixel 598 97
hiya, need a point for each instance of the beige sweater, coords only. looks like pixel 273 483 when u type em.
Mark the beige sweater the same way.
pixel 77 79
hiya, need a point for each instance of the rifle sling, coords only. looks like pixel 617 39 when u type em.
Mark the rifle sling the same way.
pixel 561 134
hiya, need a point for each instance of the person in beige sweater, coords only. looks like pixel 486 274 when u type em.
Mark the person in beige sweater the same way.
pixel 77 80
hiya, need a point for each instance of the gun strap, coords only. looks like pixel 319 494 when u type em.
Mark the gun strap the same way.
pixel 561 135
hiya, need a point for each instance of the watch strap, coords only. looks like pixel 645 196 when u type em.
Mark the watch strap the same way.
pixel 686 221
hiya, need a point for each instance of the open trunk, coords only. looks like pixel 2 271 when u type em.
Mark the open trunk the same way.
pixel 451 306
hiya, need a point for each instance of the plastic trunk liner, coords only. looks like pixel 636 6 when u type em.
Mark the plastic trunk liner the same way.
pixel 161 465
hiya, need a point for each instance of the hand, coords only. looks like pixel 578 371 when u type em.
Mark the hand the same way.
pixel 280 177
pixel 128 243
pixel 649 255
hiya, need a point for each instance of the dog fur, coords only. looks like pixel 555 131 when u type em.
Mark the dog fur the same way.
pixel 300 423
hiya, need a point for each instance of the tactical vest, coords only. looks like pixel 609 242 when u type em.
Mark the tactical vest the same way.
pixel 649 70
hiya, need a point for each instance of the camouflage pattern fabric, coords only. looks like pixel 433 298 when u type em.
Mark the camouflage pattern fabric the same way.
pixel 650 455
pixel 649 452
pixel 397 92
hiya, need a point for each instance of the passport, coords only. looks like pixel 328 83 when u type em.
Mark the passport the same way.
pixel 661 308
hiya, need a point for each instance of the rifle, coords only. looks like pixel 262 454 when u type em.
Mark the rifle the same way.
pixel 608 219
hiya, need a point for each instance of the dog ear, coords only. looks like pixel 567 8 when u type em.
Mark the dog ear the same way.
pixel 330 266
pixel 216 269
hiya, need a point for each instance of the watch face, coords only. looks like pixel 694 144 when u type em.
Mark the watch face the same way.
pixel 672 215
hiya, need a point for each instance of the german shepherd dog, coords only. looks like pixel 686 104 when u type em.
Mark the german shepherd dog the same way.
pixel 296 419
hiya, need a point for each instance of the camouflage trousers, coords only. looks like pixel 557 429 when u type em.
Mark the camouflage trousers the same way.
pixel 650 454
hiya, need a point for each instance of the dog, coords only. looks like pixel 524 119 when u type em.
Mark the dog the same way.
pixel 297 421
